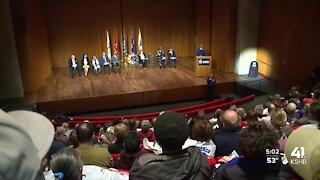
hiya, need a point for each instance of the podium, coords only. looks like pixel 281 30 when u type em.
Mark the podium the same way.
pixel 202 65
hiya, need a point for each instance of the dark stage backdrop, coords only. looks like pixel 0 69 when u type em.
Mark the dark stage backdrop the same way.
pixel 78 26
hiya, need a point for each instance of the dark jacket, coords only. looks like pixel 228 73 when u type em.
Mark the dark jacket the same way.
pixel 244 169
pixel 226 141
pixel 189 164
pixel 125 160
pixel 116 147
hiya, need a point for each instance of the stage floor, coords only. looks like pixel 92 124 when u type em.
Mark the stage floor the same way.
pixel 134 86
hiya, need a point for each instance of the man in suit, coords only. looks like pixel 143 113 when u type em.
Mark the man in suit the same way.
pixel 201 51
pixel 104 63
pixel 143 59
pixel 172 58
pixel 73 65
pixel 115 63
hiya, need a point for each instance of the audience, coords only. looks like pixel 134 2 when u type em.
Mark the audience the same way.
pixel 225 138
pixel 67 165
pixel 60 135
pixel 253 142
pixel 91 155
pixel 129 153
pixel 171 130
pixel 202 132
pixel 120 132
pixel 145 132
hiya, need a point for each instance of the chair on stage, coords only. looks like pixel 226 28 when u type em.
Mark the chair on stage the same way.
pixel 151 60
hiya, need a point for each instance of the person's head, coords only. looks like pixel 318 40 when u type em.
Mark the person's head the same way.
pixel 233 107
pixel 97 130
pixel 255 139
pixel 211 75
pixel 73 139
pixel 314 113
pixel 60 131
pixel 202 130
pixel 67 162
pixel 241 113
pixel 304 140
pixel 65 125
pixel 85 132
pixel 217 113
pixel 25 138
pixel 278 118
pixel 85 55
pixel 132 126
pixel 132 143
pixel 94 57
pixel 103 53
pixel 73 56
pixel 201 115
pixel 145 126
pixel 201 46
pixel 259 110
pixel 171 131
pixel 291 108
pixel 251 116
pixel 120 131
pixel 230 120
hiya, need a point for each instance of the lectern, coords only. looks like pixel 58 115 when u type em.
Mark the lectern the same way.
pixel 202 65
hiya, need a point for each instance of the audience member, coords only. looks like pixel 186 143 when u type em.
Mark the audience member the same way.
pixel 292 112
pixel 279 122
pixel 73 139
pixel 252 117
pixel 91 155
pixel 306 137
pixel 120 132
pixel 202 131
pixel 67 129
pixel 313 115
pixel 241 113
pixel 60 135
pixel 67 165
pixel 254 141
pixel 225 138
pixel 171 130
pixel 129 153
pixel 25 138
pixel 146 132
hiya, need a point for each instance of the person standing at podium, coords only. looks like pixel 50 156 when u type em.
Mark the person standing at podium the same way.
pixel 201 51
pixel 211 86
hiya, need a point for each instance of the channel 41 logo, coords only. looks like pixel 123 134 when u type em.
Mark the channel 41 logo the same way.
pixel 298 156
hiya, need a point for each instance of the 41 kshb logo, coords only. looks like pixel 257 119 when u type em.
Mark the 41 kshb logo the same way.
pixel 298 156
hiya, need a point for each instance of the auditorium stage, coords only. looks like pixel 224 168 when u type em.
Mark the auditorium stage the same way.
pixel 133 87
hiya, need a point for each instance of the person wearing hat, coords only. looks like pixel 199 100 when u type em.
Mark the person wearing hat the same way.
pixel 25 138
pixel 303 151
pixel 146 132
pixel 171 131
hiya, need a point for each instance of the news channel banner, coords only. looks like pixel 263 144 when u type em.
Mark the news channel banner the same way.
pixel 297 155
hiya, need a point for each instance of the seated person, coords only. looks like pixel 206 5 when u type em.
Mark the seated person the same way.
pixel 146 132
pixel 129 153
pixel 96 65
pixel 105 62
pixel 116 63
pixel 161 58
pixel 91 155
pixel 172 59
pixel 67 164
pixel 254 141
pixel 201 51
pixel 171 130
pixel 202 132
pixel 143 59
pixel 120 132
pixel 73 65
pixel 226 136
pixel 85 64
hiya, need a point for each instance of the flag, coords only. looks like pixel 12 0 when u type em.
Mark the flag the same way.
pixel 124 44
pixel 133 49
pixel 116 45
pixel 108 46
pixel 140 41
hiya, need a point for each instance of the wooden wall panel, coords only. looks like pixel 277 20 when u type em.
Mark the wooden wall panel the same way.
pixel 32 42
pixel 79 26
pixel 223 33
pixel 164 23
pixel 289 39
pixel 203 24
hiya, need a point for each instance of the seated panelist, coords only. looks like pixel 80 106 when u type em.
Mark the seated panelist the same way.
pixel 85 64
pixel 73 65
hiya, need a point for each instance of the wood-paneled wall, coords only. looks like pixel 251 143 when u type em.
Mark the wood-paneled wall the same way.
pixel 223 33
pixel 32 42
pixel 288 46
pixel 203 24
pixel 78 26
